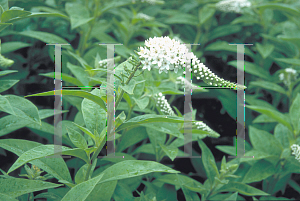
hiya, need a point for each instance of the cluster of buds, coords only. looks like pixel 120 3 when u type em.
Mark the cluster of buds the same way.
pixel 163 104
pixel 202 126
pixel 296 151
pixel 34 173
pixel 182 82
pixel 4 62
pixel 288 76
pixel 232 5
pixel 144 16
pixel 168 54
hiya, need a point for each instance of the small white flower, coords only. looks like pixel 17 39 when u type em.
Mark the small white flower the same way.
pixel 144 16
pixel 288 76
pixel 296 151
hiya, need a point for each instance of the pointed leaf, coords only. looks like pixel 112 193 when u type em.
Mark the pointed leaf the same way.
pixel 47 150
pixel 79 93
pixel 295 113
pixel 15 187
pixel 77 139
pixel 208 162
pixel 82 190
pixel 23 108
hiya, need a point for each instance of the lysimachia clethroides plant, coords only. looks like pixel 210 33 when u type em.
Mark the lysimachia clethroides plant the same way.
pixel 142 88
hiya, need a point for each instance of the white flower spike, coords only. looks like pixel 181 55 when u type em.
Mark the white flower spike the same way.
pixel 163 104
pixel 296 151
pixel 233 5
pixel 167 54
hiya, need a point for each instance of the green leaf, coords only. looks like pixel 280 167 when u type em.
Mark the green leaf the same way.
pixel 11 14
pixel 130 138
pixel 223 45
pixel 15 187
pixel 259 171
pixel 77 139
pixel 205 13
pixel 133 168
pixel 280 6
pixel 253 69
pixel 64 77
pixel 94 116
pixel 78 93
pixel 149 118
pixel 164 127
pixel 54 166
pixel 47 150
pixel 142 103
pixel 241 188
pixel 265 50
pixel 283 135
pixel 80 175
pixel 7 84
pixel 171 151
pixel 182 18
pixel 289 61
pixel 13 46
pixel 45 37
pixel 130 87
pixel 209 162
pixel 22 108
pixel 4 25
pixel 79 73
pixel 85 130
pixel 156 138
pixel 4 4
pixel 263 119
pixel 102 191
pixel 279 117
pixel 82 190
pixel 5 72
pixel 264 141
pixel 295 114
pixel 79 14
pixel 7 197
pixel 224 30
pixel 269 85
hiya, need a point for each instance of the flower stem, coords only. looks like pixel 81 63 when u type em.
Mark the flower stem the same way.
pixel 128 80
pixel 95 154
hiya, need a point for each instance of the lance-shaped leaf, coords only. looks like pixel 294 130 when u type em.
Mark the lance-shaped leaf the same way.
pixel 78 93
pixel 21 107
pixel 149 118
pixel 47 150
pixel 133 168
pixel 77 139
pixel 82 190
pixel 54 166
pixel 15 187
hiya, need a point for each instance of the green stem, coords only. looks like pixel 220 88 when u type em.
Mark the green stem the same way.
pixel 128 80
pixel 197 38
pixel 92 23
pixel 95 154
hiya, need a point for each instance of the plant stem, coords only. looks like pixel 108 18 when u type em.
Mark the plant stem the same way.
pixel 128 80
pixel 95 154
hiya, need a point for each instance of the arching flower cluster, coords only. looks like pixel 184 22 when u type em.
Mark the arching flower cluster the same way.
pixel 168 54
pixel 163 104
pixel 233 5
